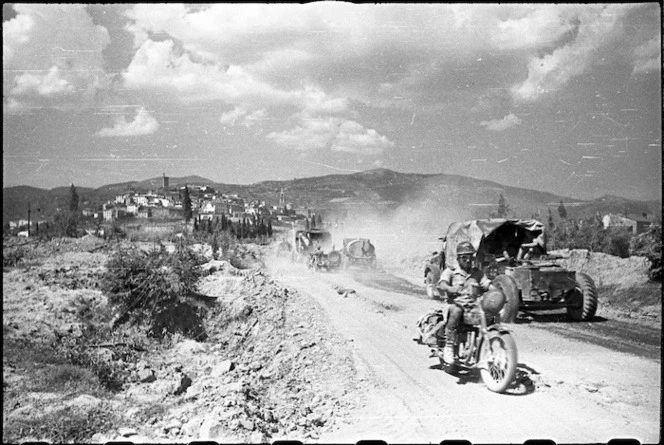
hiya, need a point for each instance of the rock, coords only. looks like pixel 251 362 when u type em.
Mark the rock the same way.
pixel 99 438
pixel 173 424
pixel 210 428
pixel 230 388
pixel 185 382
pixel 146 375
pixel 591 388
pixel 186 347
pixel 105 354
pixel 192 427
pixel 84 401
pixel 257 437
pixel 247 424
pixel 127 432
pixel 222 368
pixel 131 412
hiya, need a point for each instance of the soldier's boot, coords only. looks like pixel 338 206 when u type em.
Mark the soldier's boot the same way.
pixel 448 354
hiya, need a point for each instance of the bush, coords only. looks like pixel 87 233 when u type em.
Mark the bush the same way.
pixel 649 245
pixel 12 256
pixel 158 289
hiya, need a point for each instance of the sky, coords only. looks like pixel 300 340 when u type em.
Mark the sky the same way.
pixel 562 98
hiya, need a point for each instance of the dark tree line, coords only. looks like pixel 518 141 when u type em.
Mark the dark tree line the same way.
pixel 248 228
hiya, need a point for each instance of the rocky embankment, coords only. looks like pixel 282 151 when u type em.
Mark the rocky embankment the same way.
pixel 267 368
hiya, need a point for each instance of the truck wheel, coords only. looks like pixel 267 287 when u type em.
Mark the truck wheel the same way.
pixel 587 295
pixel 508 286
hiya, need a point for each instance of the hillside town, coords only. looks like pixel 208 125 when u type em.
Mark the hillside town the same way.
pixel 166 203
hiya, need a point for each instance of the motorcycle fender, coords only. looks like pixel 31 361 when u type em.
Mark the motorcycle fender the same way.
pixel 496 330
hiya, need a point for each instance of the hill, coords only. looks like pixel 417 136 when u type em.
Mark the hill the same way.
pixel 422 198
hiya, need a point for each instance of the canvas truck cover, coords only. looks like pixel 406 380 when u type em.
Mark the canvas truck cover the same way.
pixel 491 236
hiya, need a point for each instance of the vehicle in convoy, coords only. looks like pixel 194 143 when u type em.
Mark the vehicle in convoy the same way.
pixel 314 246
pixel 433 267
pixel 325 261
pixel 483 343
pixel 358 252
pixel 537 283
pixel 284 249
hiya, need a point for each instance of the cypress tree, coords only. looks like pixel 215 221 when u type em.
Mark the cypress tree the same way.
pixel 186 204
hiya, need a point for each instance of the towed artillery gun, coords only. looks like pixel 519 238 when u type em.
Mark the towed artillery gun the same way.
pixel 358 252
pixel 537 283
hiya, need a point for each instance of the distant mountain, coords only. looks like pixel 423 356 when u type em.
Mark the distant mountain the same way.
pixel 433 199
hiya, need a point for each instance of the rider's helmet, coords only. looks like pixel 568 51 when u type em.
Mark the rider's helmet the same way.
pixel 493 301
pixel 465 248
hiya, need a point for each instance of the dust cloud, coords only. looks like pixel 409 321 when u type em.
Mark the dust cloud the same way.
pixel 409 231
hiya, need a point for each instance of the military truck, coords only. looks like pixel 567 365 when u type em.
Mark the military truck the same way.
pixel 307 241
pixel 529 283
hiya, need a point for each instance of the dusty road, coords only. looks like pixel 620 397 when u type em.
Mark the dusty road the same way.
pixel 585 383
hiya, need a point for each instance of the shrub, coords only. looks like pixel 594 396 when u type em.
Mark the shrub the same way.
pixel 158 289
pixel 12 256
pixel 649 245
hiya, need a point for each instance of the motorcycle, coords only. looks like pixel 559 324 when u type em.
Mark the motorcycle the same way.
pixel 484 344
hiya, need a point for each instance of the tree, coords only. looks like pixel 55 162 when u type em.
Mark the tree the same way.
pixel 186 204
pixel 319 221
pixel 307 226
pixel 503 208
pixel 73 199
pixel 562 212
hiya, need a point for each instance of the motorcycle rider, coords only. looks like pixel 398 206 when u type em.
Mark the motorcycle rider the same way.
pixel 456 283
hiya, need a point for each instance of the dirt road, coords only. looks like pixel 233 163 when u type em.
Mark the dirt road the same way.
pixel 571 389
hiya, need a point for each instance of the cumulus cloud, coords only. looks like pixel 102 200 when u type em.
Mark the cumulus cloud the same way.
pixel 541 26
pixel 509 121
pixel 142 124
pixel 52 52
pixel 240 116
pixel 354 138
pixel 336 133
pixel 597 26
pixel 47 84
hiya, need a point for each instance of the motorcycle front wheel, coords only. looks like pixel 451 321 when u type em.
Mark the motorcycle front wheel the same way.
pixel 499 357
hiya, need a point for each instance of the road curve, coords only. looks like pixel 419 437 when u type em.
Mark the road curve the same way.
pixel 568 390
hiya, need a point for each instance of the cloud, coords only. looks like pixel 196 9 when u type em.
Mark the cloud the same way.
pixel 598 27
pixel 509 121
pixel 142 124
pixel 649 56
pixel 536 27
pixel 48 84
pixel 52 55
pixel 336 133
pixel 240 116
pixel 354 138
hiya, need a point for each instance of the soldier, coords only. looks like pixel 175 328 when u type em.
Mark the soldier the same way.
pixel 461 286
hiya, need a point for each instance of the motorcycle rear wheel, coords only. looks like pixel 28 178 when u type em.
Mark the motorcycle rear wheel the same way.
pixel 499 356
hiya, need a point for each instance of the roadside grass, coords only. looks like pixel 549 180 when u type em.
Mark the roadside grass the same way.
pixel 44 369
pixel 49 372
pixel 66 425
